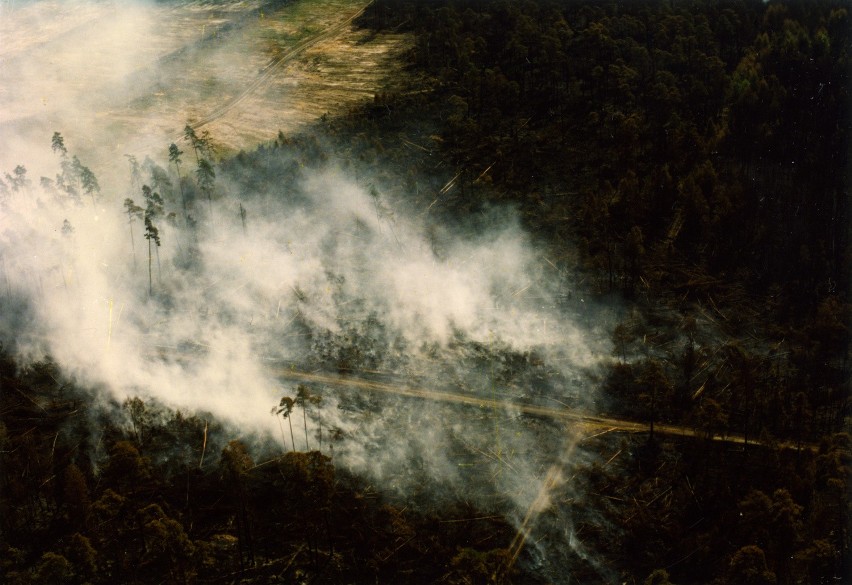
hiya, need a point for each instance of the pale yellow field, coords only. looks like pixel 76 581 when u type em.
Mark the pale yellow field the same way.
pixel 122 78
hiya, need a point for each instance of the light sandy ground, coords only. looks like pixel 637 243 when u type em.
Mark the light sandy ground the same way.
pixel 122 78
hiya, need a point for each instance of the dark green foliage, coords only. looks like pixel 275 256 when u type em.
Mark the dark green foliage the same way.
pixel 75 176
pixel 89 182
pixel 57 143
pixel 472 567
pixel 146 513
pixel 694 154
pixel 654 133
pixel 285 409
pixel 18 179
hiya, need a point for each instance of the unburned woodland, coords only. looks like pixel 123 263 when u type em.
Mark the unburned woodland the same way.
pixel 685 160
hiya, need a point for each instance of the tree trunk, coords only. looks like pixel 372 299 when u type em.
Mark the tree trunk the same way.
pixel 305 417
pixel 182 196
pixel 150 286
pixel 132 244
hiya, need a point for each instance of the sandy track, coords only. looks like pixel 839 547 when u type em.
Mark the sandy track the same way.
pixel 581 423
pixel 580 427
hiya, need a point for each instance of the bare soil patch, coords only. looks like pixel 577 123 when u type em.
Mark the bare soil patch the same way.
pixel 121 79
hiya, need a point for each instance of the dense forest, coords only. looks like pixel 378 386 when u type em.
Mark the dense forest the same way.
pixel 687 160
pixel 690 156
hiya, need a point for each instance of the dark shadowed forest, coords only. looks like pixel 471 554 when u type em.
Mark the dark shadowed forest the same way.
pixel 685 162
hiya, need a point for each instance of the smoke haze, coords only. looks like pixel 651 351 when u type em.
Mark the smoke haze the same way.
pixel 314 272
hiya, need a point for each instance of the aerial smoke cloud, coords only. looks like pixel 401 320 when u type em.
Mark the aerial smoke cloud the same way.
pixel 318 278
pixel 322 274
pixel 306 278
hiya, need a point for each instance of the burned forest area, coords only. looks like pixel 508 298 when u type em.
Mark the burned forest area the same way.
pixel 448 291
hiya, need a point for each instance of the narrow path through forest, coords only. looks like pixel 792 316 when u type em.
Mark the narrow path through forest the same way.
pixel 585 422
pixel 582 427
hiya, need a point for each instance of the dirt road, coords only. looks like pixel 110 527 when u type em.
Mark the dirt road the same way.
pixel 581 428
pixel 583 423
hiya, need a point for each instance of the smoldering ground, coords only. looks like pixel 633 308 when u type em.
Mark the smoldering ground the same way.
pixel 290 263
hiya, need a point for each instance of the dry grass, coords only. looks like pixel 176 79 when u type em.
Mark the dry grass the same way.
pixel 267 71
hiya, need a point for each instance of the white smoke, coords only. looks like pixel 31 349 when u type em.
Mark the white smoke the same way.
pixel 322 274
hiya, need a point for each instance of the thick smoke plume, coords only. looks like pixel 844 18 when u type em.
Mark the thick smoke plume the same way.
pixel 307 272
pixel 312 277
